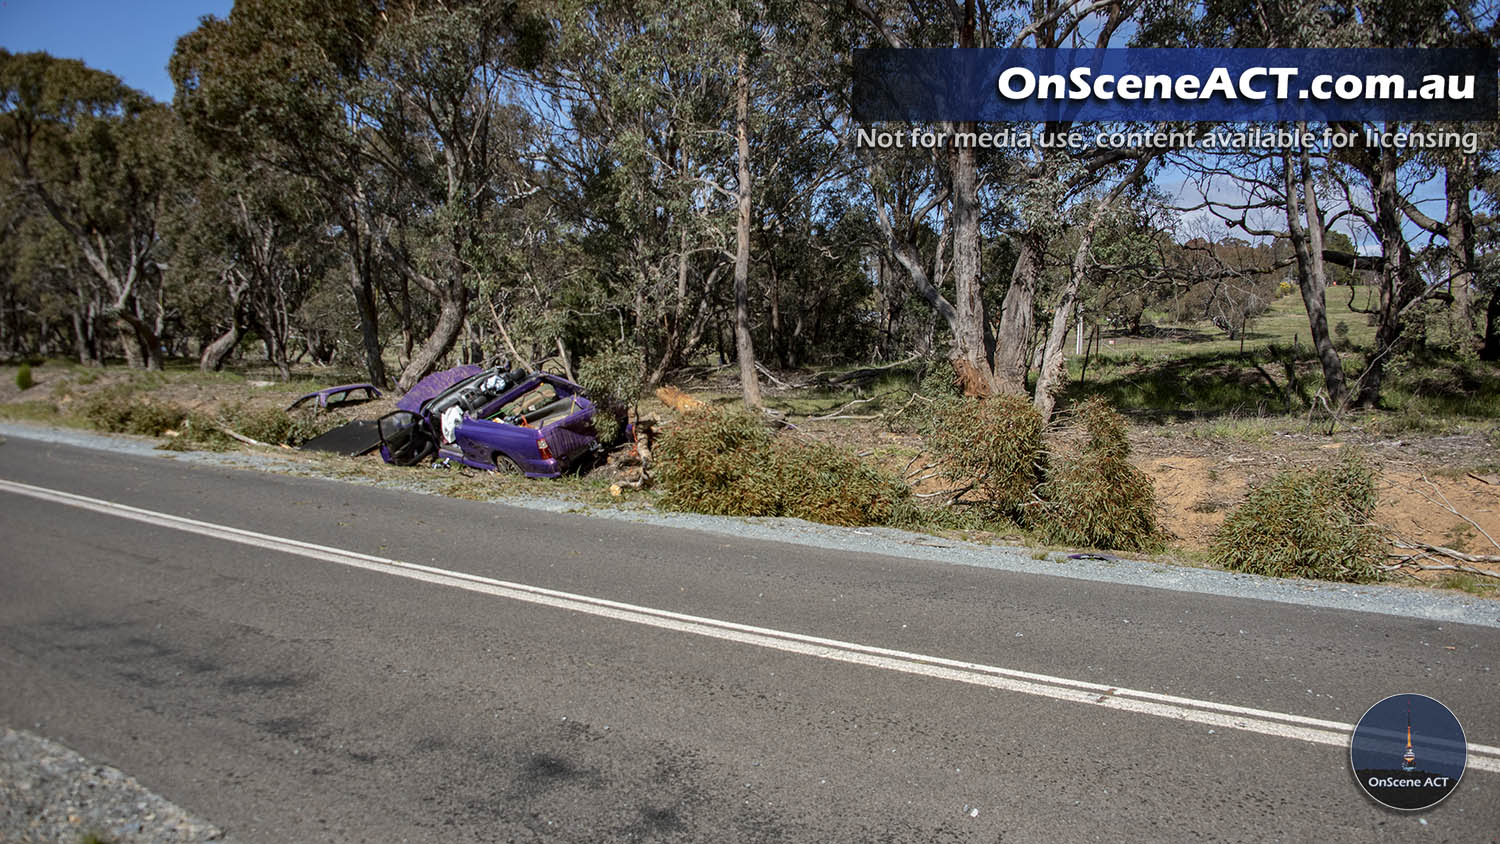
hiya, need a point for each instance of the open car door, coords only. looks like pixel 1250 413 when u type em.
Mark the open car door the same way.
pixel 405 439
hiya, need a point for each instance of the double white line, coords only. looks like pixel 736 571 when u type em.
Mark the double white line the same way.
pixel 1220 715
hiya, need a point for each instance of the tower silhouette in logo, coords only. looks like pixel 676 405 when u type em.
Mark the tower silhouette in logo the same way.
pixel 1409 758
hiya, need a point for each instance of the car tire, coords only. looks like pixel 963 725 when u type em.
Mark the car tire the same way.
pixel 506 466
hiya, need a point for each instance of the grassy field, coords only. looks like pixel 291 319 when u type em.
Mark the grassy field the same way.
pixel 1181 372
pixel 1283 324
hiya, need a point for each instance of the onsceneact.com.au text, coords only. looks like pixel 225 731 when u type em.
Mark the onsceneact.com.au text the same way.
pixel 1255 83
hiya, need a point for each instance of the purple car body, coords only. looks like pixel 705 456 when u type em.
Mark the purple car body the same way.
pixel 338 395
pixel 534 423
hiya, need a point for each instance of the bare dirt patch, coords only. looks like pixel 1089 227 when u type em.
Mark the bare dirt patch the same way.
pixel 1197 490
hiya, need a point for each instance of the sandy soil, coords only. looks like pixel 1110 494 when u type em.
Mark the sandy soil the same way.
pixel 1422 499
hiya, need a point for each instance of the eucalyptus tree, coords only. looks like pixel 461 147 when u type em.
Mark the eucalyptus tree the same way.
pixel 255 237
pixel 1038 185
pixel 276 82
pixel 635 106
pixel 1377 181
pixel 96 156
pixel 398 113
pixel 453 147
pixel 48 297
pixel 1366 186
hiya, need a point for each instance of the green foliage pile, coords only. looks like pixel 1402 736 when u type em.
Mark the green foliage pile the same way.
pixel 275 426
pixel 199 432
pixel 726 462
pixel 121 411
pixel 612 381
pixel 1306 523
pixel 995 444
pixel 23 377
pixel 29 411
pixel 1094 496
pixel 938 380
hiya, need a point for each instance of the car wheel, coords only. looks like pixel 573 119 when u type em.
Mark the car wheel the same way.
pixel 506 466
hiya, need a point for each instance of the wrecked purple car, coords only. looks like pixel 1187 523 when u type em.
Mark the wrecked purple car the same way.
pixel 532 423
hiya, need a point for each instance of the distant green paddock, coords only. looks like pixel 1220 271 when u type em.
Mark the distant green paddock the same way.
pixel 1283 323
pixel 1178 372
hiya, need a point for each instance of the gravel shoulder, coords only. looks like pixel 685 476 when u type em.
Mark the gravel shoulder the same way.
pixel 49 793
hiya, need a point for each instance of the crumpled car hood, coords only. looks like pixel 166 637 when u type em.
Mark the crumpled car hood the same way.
pixel 434 384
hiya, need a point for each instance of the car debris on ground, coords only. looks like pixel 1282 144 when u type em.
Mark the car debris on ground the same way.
pixel 331 397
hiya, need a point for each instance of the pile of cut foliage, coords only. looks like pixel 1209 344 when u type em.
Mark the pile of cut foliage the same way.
pixel 1312 523
pixel 1081 491
pixel 727 462
pixel 120 410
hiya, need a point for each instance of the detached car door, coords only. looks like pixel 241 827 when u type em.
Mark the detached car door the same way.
pixel 405 438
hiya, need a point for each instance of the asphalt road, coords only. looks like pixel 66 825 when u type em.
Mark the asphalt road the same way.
pixel 291 697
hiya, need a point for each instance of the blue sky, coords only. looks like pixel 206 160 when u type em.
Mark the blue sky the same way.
pixel 132 40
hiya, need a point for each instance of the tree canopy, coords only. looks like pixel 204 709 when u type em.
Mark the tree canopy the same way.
pixel 399 185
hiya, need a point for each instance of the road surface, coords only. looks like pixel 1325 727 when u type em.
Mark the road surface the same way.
pixel 304 660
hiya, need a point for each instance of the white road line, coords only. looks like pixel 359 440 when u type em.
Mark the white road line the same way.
pixel 1212 713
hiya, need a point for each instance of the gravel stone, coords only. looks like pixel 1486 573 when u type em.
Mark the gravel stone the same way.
pixel 49 793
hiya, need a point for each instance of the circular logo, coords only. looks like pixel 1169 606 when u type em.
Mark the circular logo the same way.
pixel 1408 752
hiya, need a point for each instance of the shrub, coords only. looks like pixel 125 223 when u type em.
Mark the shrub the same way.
pixel 199 432
pixel 23 377
pixel 1094 496
pixel 824 483
pixel 938 380
pixel 275 426
pixel 612 380
pixel 995 444
pixel 107 410
pixel 152 418
pixel 120 411
pixel 711 458
pixel 1306 523
pixel 32 411
pixel 726 462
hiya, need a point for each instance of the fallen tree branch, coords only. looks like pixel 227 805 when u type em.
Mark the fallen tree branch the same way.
pixel 1405 563
pixel 774 380
pixel 904 407
pixel 909 471
pixel 1446 552
pixel 829 376
pixel 233 434
pixel 834 413
pixel 1443 502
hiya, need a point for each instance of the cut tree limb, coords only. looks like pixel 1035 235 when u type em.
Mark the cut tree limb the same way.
pixel 1442 501
pixel 1446 552
pixel 233 434
pixel 772 378
pixel 1406 563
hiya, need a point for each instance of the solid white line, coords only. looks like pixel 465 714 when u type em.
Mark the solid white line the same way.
pixel 1212 713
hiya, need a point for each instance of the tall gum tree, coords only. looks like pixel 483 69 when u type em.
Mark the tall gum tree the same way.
pixel 272 83
pixel 96 156
pixel 993 353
